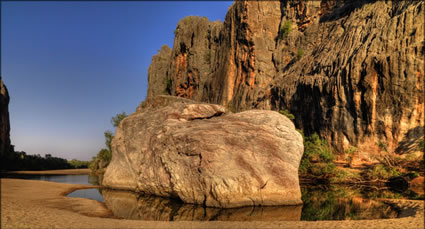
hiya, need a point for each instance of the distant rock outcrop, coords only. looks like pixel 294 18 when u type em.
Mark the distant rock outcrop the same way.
pixel 199 153
pixel 352 71
pixel 5 146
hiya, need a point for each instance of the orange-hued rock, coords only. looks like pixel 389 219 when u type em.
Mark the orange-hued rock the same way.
pixel 352 71
pixel 417 182
pixel 201 154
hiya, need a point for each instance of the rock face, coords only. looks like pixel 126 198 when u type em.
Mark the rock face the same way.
pixel 174 147
pixel 156 74
pixel 5 146
pixel 352 71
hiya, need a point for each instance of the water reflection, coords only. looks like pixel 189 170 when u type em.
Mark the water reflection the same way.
pixel 91 193
pixel 320 203
pixel 343 203
pixel 131 206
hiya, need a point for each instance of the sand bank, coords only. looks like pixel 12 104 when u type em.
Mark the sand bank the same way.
pixel 42 204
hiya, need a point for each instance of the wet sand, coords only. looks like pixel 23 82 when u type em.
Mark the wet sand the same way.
pixel 42 204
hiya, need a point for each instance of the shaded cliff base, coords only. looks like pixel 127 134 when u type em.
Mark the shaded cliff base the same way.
pixel 42 204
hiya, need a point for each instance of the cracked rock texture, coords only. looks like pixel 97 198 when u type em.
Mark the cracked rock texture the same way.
pixel 175 147
pixel 352 71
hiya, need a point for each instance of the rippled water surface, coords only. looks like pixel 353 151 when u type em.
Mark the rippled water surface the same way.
pixel 333 202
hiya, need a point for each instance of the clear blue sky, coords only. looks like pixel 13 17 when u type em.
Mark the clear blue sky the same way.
pixel 71 66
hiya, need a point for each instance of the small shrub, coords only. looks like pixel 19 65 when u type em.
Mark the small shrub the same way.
pixel 187 20
pixel 285 29
pixel 318 158
pixel 287 114
pixel 168 86
pixel 207 57
pixel 143 104
pixel 301 132
pixel 300 53
pixel 413 174
pixel 345 175
pixel 351 150
pixel 382 146
pixel 383 172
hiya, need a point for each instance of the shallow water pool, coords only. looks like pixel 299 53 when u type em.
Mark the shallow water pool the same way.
pixel 332 202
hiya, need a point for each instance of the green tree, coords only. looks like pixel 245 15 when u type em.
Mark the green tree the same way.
pixel 108 139
pixel 104 156
pixel 318 158
pixel 118 118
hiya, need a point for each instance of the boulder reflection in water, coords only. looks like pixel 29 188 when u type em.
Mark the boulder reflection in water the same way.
pixel 130 205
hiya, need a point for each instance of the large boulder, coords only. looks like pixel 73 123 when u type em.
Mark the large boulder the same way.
pixel 199 153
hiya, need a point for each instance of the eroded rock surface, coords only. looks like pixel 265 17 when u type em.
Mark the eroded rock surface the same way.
pixel 352 71
pixel 199 153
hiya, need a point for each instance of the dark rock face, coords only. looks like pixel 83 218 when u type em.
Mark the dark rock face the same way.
pixel 353 71
pixel 175 147
pixel 5 146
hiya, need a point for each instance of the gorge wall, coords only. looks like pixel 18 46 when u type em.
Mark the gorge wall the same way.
pixel 352 71
pixel 5 145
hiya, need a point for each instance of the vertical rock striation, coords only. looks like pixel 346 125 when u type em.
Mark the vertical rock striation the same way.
pixel 352 71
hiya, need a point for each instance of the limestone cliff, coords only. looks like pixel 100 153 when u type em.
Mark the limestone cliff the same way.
pixel 5 145
pixel 352 71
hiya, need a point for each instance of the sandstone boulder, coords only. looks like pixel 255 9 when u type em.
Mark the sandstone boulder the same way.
pixel 201 154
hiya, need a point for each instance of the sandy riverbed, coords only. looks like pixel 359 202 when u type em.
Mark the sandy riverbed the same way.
pixel 42 204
